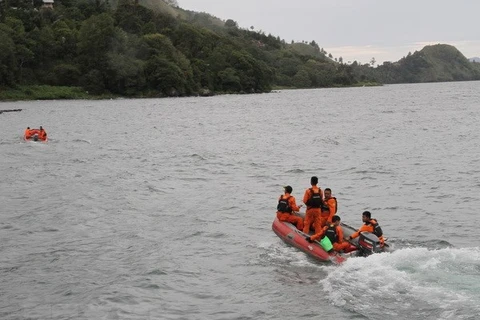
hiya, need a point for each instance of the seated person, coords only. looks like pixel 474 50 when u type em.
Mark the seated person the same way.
pixel 334 232
pixel 27 134
pixel 369 225
pixel 329 207
pixel 42 134
pixel 286 208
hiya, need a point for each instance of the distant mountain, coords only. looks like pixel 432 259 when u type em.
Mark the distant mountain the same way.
pixel 435 63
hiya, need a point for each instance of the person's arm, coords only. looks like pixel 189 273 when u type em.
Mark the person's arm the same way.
pixel 319 235
pixel 306 196
pixel 293 204
pixel 354 235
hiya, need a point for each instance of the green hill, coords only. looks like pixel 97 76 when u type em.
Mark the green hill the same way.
pixel 433 63
pixel 149 48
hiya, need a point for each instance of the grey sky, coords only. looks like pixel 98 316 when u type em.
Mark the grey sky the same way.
pixel 357 29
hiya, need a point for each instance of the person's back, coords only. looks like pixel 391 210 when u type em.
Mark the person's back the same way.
pixel 27 134
pixel 286 208
pixel 312 198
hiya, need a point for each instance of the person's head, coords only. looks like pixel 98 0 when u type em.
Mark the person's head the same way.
pixel 288 189
pixel 314 180
pixel 366 216
pixel 327 193
pixel 41 128
pixel 28 128
pixel 336 220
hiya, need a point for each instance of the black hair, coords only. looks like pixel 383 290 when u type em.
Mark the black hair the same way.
pixel 288 189
pixel 328 189
pixel 313 180
pixel 335 218
pixel 367 214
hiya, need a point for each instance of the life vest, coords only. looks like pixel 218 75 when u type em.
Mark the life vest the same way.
pixel 283 205
pixel 325 207
pixel 376 228
pixel 331 233
pixel 315 200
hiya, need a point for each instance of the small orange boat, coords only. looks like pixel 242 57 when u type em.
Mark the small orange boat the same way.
pixel 34 135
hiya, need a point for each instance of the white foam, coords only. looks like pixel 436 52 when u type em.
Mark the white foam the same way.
pixel 445 281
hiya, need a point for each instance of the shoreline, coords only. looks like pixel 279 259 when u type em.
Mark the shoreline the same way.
pixel 47 92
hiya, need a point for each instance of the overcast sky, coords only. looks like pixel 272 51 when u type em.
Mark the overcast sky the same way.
pixel 357 29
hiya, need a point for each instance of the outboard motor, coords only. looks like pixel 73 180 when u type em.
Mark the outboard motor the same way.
pixel 368 243
pixel 35 137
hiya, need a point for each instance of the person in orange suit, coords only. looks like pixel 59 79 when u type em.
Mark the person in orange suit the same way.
pixel 369 225
pixel 312 198
pixel 329 208
pixel 334 232
pixel 42 134
pixel 286 208
pixel 27 134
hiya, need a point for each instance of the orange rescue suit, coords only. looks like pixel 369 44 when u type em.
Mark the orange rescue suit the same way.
pixel 42 135
pixel 28 134
pixel 290 217
pixel 338 245
pixel 368 227
pixel 326 216
pixel 312 215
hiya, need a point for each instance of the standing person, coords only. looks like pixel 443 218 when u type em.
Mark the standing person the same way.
pixel 369 225
pixel 329 208
pixel 312 198
pixel 42 134
pixel 334 232
pixel 286 208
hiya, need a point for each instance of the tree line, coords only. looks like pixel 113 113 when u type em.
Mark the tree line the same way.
pixel 134 51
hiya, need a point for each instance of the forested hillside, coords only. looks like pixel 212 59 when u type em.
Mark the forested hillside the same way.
pixel 435 63
pixel 150 48
pixel 128 49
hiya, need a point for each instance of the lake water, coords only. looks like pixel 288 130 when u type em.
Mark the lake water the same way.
pixel 162 208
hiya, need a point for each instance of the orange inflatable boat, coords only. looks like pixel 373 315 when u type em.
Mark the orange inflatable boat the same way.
pixel 35 135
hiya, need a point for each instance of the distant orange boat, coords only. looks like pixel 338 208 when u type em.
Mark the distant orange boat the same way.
pixel 35 135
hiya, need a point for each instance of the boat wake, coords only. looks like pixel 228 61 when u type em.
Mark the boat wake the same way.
pixel 410 283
